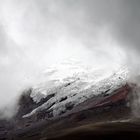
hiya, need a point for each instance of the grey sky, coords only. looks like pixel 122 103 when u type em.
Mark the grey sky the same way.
pixel 37 33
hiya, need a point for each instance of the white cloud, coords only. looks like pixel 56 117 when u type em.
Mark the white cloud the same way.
pixel 41 33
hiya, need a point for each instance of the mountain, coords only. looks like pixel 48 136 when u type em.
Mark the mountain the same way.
pixel 57 104
pixel 58 98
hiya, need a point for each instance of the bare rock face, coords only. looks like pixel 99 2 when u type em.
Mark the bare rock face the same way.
pixel 26 103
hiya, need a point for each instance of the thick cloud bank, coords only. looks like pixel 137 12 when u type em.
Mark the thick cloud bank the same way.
pixel 35 34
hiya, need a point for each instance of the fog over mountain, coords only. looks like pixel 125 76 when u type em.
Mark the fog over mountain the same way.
pixel 38 34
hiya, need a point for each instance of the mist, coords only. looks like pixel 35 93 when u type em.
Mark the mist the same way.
pixel 36 34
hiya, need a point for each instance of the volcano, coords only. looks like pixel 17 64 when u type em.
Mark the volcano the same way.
pixel 49 109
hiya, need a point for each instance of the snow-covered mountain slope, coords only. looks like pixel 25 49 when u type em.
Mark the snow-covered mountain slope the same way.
pixel 66 93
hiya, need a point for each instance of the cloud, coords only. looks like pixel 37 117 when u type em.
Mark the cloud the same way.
pixel 36 34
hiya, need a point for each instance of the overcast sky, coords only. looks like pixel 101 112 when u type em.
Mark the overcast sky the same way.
pixel 35 34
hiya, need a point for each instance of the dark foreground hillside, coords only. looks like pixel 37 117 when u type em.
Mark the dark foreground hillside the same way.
pixel 128 130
